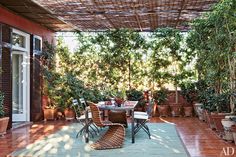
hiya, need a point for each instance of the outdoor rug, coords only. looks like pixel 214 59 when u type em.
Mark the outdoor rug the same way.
pixel 164 142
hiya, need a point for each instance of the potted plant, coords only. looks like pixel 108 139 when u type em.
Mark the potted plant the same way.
pixel 188 91
pixel 48 66
pixel 119 97
pixel 160 98
pixel 50 112
pixel 3 120
pixel 218 106
pixel 176 110
pixel 135 95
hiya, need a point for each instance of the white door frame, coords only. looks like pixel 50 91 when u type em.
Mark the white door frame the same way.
pixel 25 51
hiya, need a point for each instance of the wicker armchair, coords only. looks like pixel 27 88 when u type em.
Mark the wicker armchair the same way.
pixel 114 136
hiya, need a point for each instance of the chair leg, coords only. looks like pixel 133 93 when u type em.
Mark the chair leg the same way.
pixel 142 124
pixel 95 127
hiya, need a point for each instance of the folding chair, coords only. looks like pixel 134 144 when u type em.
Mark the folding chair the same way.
pixel 80 117
pixel 141 119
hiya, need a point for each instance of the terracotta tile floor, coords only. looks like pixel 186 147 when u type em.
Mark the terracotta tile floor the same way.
pixel 199 140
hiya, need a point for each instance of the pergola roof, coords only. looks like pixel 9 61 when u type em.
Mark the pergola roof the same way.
pixel 100 15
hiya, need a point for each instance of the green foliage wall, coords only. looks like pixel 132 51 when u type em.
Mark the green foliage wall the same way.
pixel 213 41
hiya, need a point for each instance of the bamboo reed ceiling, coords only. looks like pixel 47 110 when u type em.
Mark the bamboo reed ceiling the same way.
pixel 100 15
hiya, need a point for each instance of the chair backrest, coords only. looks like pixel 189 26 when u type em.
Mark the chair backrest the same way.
pixel 76 107
pixel 96 115
pixel 83 103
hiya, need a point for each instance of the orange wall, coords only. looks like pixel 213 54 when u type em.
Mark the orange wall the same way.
pixel 26 25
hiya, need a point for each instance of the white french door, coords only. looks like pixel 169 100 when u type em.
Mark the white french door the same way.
pixel 20 76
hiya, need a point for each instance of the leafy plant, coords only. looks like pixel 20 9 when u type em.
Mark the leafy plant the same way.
pixel 212 40
pixel 214 102
pixel 188 91
pixel 160 96
pixel 2 113
pixel 136 95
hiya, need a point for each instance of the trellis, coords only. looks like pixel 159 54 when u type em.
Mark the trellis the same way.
pixel 100 15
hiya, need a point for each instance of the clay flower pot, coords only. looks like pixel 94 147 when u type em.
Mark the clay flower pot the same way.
pixel 163 110
pixel 209 120
pixel 176 110
pixel 50 114
pixel 69 114
pixel 3 125
pixel 188 111
pixel 217 117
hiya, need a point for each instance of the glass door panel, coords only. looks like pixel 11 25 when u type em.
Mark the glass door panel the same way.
pixel 18 81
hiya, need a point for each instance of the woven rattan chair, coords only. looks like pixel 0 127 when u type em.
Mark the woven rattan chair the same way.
pixel 114 136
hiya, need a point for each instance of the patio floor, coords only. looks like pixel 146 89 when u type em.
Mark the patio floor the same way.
pixel 198 138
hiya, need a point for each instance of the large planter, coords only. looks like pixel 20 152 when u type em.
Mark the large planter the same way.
pixel 217 118
pixel 69 114
pixel 163 110
pixel 188 111
pixel 209 120
pixel 50 114
pixel 176 110
pixel 3 125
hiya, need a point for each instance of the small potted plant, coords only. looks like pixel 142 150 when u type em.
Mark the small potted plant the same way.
pixel 188 91
pixel 3 120
pixel 135 95
pixel 50 112
pixel 160 98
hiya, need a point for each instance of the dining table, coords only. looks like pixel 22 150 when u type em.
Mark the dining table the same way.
pixel 125 106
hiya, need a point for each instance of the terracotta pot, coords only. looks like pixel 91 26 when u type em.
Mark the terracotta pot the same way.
pixel 163 110
pixel 3 125
pixel 176 110
pixel 209 120
pixel 69 114
pixel 217 121
pixel 188 111
pixel 50 114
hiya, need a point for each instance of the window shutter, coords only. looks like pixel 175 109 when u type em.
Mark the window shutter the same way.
pixel 35 77
pixel 6 70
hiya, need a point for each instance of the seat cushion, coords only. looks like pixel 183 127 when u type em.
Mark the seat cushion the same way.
pixel 140 113
pixel 139 116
